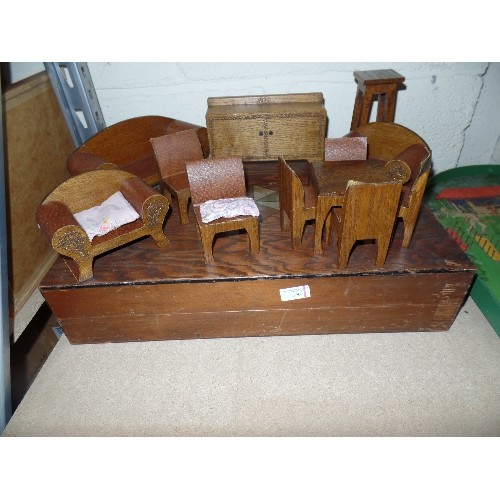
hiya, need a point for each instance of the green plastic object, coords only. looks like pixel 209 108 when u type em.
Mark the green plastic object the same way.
pixel 466 201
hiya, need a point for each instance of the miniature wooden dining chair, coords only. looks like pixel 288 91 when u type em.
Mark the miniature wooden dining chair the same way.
pixel 297 202
pixel 171 152
pixel 346 148
pixel 369 212
pixel 220 179
pixel 386 140
pixel 418 158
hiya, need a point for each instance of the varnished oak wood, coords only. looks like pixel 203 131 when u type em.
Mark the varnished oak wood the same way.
pixel 268 126
pixel 140 293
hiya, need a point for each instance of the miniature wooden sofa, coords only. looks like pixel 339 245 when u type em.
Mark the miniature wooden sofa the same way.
pixel 126 145
pixel 386 140
pixel 55 216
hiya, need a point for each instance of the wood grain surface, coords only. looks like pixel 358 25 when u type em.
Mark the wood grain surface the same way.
pixel 141 293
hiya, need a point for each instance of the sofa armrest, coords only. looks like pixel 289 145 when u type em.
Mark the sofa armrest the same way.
pixel 53 215
pixel 136 192
pixel 61 228
pixel 80 162
pixel 140 195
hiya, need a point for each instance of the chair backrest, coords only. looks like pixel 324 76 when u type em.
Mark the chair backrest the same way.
pixel 216 178
pixel 89 189
pixel 173 150
pixel 370 209
pixel 386 140
pixel 346 148
pixel 291 191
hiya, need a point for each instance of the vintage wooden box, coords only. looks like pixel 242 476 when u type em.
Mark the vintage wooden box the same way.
pixel 139 292
pixel 265 127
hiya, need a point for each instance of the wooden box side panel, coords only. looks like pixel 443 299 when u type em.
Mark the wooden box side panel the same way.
pixel 38 144
pixel 351 304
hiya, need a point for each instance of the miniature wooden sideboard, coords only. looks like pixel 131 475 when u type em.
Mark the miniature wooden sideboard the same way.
pixel 265 127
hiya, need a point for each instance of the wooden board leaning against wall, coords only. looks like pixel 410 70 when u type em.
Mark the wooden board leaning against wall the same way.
pixel 37 144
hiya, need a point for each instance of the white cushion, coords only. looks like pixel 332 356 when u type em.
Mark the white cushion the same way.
pixel 109 215
pixel 227 207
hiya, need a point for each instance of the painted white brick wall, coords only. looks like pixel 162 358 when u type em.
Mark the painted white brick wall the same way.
pixel 455 107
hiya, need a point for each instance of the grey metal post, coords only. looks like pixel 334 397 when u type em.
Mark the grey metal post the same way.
pixel 77 98
pixel 5 387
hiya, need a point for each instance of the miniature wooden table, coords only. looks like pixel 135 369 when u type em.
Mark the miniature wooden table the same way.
pixel 330 179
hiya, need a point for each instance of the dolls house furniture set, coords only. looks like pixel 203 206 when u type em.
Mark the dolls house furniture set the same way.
pixel 266 189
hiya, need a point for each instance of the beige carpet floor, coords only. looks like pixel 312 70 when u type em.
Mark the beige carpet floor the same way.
pixel 394 384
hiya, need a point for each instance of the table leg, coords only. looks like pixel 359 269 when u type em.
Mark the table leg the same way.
pixel 322 208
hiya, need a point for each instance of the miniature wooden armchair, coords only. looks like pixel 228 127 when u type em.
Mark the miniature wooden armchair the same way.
pixel 220 179
pixel 346 148
pixel 171 152
pixel 297 202
pixel 386 140
pixel 369 212
pixel 418 158
pixel 56 216
pixel 126 145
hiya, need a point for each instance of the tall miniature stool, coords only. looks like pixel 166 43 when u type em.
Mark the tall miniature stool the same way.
pixel 382 83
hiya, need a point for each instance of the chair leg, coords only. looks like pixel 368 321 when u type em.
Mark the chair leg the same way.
pixel 165 192
pixel 182 205
pixel 284 221
pixel 160 239
pixel 344 247
pixel 408 233
pixel 253 235
pixel 85 270
pixel 409 222
pixel 329 228
pixel 382 249
pixel 297 230
pixel 207 237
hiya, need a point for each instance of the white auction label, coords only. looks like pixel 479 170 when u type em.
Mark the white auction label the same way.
pixel 295 292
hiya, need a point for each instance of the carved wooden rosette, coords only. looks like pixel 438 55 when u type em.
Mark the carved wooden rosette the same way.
pixel 398 170
pixel 73 242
